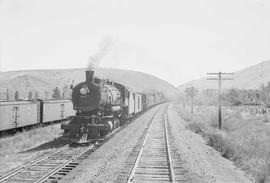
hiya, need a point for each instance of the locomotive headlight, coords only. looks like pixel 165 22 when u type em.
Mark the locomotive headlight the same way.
pixel 83 90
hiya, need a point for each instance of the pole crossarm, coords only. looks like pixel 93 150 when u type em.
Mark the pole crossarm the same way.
pixel 221 79
pixel 217 73
pixel 227 78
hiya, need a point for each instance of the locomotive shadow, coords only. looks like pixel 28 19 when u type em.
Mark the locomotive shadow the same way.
pixel 56 143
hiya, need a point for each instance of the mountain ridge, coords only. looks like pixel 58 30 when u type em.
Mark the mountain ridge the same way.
pixel 251 77
pixel 45 80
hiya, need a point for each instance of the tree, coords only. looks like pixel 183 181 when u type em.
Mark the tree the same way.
pixel 265 95
pixel 233 97
pixel 16 96
pixel 65 91
pixel 191 91
pixel 56 93
pixel 30 95
pixel 36 95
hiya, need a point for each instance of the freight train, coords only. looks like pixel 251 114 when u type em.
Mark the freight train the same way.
pixel 102 106
pixel 109 105
pixel 20 114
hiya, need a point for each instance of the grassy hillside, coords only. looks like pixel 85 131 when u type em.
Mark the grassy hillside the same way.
pixel 46 80
pixel 249 78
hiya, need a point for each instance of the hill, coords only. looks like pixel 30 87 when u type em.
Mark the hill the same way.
pixel 42 81
pixel 249 78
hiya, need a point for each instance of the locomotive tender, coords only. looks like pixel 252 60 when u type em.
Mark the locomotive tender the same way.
pixel 102 106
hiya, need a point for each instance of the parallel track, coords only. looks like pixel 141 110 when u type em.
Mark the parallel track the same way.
pixel 49 167
pixel 154 159
pixel 16 171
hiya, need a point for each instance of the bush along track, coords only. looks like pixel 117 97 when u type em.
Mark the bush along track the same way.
pixel 243 141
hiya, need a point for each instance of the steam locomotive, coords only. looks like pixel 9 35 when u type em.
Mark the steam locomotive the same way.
pixel 102 106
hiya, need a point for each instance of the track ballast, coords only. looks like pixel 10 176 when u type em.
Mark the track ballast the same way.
pixel 154 158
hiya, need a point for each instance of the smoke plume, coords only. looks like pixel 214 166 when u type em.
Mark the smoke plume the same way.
pixel 104 48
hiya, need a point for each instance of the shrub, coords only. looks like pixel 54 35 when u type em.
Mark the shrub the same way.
pixel 244 141
pixel 197 128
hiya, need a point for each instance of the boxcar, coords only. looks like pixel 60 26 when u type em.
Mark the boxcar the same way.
pixel 54 110
pixel 138 103
pixel 131 103
pixel 150 100
pixel 18 114
pixel 143 101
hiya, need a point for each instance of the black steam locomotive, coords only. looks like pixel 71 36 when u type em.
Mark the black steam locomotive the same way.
pixel 102 106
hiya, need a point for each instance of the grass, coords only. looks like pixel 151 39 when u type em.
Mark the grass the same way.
pixel 28 139
pixel 246 141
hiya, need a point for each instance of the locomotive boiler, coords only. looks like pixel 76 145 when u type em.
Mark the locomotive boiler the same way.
pixel 98 109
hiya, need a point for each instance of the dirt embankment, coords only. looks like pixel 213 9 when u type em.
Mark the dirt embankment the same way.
pixel 204 164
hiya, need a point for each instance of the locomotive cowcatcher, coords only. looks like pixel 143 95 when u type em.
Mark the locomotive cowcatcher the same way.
pixel 99 109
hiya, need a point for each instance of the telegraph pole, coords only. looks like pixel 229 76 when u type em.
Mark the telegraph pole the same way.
pixel 46 95
pixel 219 74
pixel 219 101
pixel 7 95
pixel 191 92
pixel 184 102
pixel 192 96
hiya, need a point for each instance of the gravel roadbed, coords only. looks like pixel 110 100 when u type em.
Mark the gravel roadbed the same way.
pixel 105 164
pixel 203 163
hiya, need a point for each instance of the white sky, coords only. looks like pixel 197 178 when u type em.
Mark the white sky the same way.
pixel 176 40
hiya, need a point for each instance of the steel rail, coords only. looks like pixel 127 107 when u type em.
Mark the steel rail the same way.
pixel 168 147
pixel 56 169
pixel 133 172
pixel 132 175
pixel 22 168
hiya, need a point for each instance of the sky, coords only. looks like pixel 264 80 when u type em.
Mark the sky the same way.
pixel 176 40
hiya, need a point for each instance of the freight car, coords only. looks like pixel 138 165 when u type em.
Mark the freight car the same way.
pixel 102 106
pixel 55 110
pixel 19 114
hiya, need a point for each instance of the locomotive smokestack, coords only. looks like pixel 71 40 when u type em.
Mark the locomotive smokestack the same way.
pixel 89 76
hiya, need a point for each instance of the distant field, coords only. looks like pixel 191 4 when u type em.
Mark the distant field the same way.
pixel 243 139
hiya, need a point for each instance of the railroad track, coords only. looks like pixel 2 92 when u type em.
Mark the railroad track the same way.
pixel 55 165
pixel 154 158
pixel 50 167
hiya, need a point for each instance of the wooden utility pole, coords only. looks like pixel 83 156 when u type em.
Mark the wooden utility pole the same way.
pixel 192 96
pixel 7 95
pixel 46 95
pixel 219 101
pixel 184 103
pixel 219 74
pixel 191 92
